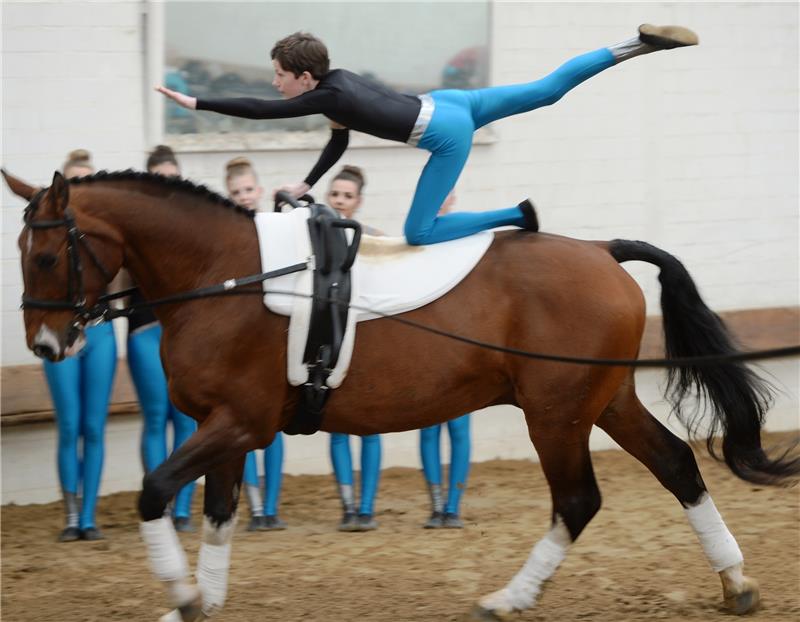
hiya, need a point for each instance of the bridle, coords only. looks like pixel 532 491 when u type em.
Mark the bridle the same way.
pixel 76 294
pixel 101 310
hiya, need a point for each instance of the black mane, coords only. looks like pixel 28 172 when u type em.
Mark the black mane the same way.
pixel 169 183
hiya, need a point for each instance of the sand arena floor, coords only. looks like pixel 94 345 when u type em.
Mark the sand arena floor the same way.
pixel 637 560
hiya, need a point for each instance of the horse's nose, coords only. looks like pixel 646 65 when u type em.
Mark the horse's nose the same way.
pixel 46 344
pixel 44 352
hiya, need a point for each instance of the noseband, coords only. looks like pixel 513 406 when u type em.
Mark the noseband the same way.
pixel 76 296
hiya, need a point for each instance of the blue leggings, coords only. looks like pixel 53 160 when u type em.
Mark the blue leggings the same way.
pixel 370 466
pixel 144 362
pixel 273 473
pixel 457 114
pixel 81 389
pixel 459 458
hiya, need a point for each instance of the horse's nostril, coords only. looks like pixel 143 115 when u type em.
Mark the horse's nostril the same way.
pixel 44 352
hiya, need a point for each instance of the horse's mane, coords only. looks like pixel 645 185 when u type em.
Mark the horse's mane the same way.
pixel 168 183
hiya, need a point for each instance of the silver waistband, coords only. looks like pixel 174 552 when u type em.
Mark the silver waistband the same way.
pixel 424 118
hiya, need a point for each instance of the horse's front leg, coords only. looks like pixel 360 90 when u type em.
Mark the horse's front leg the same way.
pixel 213 562
pixel 217 448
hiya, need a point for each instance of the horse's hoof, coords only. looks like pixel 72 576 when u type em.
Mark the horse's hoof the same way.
pixel 481 614
pixel 193 611
pixel 745 601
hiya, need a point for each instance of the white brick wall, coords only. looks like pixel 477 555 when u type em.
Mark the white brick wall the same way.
pixel 693 150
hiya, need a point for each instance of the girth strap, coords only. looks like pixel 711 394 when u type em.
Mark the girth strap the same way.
pixel 334 256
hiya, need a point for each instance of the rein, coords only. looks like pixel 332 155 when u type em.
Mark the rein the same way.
pixel 231 286
pixel 102 311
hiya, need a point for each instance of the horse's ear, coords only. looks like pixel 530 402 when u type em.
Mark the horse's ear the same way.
pixel 19 187
pixel 59 190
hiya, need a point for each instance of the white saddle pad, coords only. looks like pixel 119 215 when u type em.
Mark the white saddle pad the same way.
pixel 388 277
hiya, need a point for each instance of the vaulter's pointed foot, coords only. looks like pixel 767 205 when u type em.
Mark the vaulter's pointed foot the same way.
pixel 667 37
pixel 451 520
pixel 529 214
pixel 436 521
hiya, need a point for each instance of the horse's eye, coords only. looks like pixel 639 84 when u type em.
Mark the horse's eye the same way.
pixel 45 261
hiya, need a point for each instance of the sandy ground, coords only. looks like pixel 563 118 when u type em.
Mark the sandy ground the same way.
pixel 637 560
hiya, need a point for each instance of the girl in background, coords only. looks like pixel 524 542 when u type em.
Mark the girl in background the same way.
pixel 81 389
pixel 243 188
pixel 149 380
pixel 345 195
pixel 446 515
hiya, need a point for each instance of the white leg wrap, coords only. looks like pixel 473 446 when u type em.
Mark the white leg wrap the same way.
pixel 522 590
pixel 213 563
pixel 168 560
pixel 718 544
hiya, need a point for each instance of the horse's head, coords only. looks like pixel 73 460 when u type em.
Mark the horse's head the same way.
pixel 67 259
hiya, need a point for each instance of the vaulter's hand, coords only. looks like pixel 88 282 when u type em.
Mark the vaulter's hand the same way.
pixel 182 100
pixel 296 190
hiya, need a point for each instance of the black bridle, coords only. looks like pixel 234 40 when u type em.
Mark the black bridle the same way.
pixel 101 310
pixel 76 240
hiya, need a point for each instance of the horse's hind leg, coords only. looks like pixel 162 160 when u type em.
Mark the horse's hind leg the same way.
pixel 671 460
pixel 219 441
pixel 564 455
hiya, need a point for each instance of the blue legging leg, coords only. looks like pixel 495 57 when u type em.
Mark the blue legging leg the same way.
pixel 341 458
pixel 430 454
pixel 460 445
pixel 98 364
pixel 250 476
pixel 80 388
pixel 448 137
pixel 273 475
pixel 497 102
pixel 370 471
pixel 63 379
pixel 183 427
pixel 144 362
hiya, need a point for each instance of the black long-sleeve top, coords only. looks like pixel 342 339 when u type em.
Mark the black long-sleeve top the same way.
pixel 342 96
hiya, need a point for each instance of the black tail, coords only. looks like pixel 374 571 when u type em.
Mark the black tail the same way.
pixel 735 396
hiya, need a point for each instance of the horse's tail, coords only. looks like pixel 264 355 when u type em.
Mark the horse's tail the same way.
pixel 737 398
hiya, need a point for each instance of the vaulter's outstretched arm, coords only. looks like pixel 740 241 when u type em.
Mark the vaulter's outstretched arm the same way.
pixel 312 102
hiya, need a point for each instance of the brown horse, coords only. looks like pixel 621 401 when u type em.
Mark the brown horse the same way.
pixel 225 359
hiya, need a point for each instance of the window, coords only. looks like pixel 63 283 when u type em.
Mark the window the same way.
pixel 221 49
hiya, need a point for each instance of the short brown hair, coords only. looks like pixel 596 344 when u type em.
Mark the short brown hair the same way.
pixel 301 52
